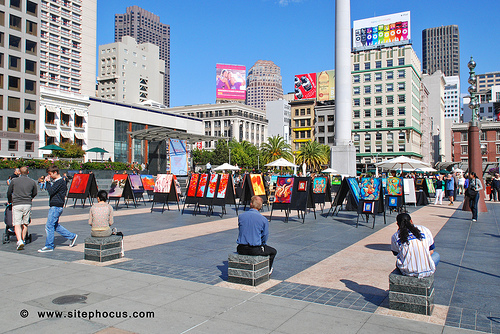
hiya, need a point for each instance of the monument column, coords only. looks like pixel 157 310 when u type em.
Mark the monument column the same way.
pixel 343 153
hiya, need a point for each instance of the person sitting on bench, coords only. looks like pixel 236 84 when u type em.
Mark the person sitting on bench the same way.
pixel 414 247
pixel 101 216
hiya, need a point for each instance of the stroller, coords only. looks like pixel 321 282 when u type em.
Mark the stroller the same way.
pixel 9 227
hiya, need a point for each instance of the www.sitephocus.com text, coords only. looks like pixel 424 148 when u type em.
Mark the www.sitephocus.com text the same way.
pixel 89 315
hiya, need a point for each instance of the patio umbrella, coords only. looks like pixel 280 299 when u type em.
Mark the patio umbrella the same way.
pixel 97 150
pixel 402 163
pixel 425 170
pixel 330 171
pixel 52 147
pixel 281 163
pixel 226 166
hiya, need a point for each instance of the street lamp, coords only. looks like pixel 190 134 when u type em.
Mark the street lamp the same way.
pixel 475 154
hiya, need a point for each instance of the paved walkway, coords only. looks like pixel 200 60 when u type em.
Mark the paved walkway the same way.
pixel 176 267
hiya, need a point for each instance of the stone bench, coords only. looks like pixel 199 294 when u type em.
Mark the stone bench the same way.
pixel 102 249
pixel 248 269
pixel 411 294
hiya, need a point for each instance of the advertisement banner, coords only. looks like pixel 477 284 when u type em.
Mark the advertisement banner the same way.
pixel 381 31
pixel 326 86
pixel 178 157
pixel 305 86
pixel 231 82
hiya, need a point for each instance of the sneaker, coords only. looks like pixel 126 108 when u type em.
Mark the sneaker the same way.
pixel 73 241
pixel 451 203
pixel 20 245
pixel 45 249
pixel 474 220
pixel 271 271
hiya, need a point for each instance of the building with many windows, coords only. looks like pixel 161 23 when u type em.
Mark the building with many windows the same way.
pixel 146 27
pixel 278 114
pixel 386 97
pixel 130 72
pixel 67 47
pixel 324 126
pixel 441 50
pixel 435 84
pixel 452 98
pixel 489 140
pixel 263 84
pixel 303 118
pixel 229 120
pixel 19 78
pixel 485 81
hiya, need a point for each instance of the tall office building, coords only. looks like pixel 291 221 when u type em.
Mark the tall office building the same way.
pixel 485 81
pixel 452 98
pixel 146 27
pixel 441 50
pixel 130 72
pixel 19 81
pixel 67 48
pixel 263 84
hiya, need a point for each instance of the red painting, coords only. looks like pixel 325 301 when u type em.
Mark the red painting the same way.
pixel 221 193
pixel 163 183
pixel 284 187
pixel 192 185
pixel 257 184
pixel 117 185
pixel 148 182
pixel 203 184
pixel 79 183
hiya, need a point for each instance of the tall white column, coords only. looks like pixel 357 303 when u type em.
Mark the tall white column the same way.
pixel 343 98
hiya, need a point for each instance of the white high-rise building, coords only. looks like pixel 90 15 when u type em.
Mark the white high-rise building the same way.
pixel 130 72
pixel 278 113
pixel 452 98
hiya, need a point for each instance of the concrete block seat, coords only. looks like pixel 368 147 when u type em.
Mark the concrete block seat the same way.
pixel 102 249
pixel 411 294
pixel 248 269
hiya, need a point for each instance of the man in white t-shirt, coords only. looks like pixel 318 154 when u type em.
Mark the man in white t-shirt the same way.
pixel 414 247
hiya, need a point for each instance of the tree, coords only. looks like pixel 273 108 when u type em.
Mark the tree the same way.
pixel 201 157
pixel 221 153
pixel 275 148
pixel 72 150
pixel 313 154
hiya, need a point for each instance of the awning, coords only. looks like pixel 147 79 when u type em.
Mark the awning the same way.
pixel 51 133
pixel 66 134
pixel 159 134
pixel 80 135
pixel 51 108
pixel 66 111
pixel 80 113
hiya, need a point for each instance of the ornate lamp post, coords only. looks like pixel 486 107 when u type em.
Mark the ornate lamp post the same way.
pixel 475 156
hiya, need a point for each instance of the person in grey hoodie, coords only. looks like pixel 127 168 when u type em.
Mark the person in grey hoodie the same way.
pixel 21 192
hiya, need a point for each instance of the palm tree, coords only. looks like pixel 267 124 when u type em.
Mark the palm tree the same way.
pixel 313 154
pixel 276 148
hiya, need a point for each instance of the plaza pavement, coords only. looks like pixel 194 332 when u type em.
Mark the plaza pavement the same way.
pixel 329 276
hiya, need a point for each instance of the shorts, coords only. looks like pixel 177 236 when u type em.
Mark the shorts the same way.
pixel 451 193
pixel 21 214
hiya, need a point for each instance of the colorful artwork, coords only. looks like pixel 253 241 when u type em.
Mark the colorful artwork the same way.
pixel 178 156
pixel 257 184
pixel 79 183
pixel 284 189
pixel 430 186
pixel 336 180
pixel 221 192
pixel 163 183
pixel 368 207
pixel 419 182
pixel 319 185
pixel 203 184
pixel 148 182
pixel 117 185
pixel 393 202
pixel 274 179
pixel 192 185
pixel 135 181
pixel 302 186
pixel 212 185
pixel 370 189
pixel 354 186
pixel 395 186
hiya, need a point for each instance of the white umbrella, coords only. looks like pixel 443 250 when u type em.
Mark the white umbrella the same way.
pixel 425 169
pixel 402 163
pixel 458 170
pixel 227 166
pixel 330 171
pixel 281 163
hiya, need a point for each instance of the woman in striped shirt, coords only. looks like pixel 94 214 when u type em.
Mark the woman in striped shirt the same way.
pixel 414 247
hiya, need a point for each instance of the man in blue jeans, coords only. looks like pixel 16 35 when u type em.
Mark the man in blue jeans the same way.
pixel 57 190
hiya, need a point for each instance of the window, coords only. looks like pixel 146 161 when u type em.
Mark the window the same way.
pixel 30 47
pixel 390 111
pixel 401 73
pixel 368 137
pixel 368 77
pixel 331 118
pixel 378 88
pixel 389 99
pixel 401 98
pixel 390 87
pixel 30 86
pixel 29 106
pixel 378 76
pixel 482 135
pixel 378 136
pixel 321 129
pixel 356 137
pixel 465 149
pixel 390 148
pixel 356 125
pixel 368 101
pixel 389 63
pixel 401 111
pixel 14 43
pixel 356 114
pixel 378 100
pixel 29 126
pixel 368 125
pixel 401 147
pixel 368 89
pixel 14 83
pixel 367 66
pixel 321 118
pixel 31 8
pixel 390 123
pixel 378 124
pixel 15 22
pixel 390 75
pixel 378 64
pixel 12 145
pixel 356 67
pixel 31 28
pixel 401 86
pixel 368 149
pixel 378 112
pixel 14 63
pixel 401 61
pixel 390 136
pixel 356 102
pixel 78 121
pixel 378 148
pixel 368 113
pixel 12 124
pixel 356 79
pixel 355 91
pixel 401 123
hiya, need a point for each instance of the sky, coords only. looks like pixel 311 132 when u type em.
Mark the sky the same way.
pixel 297 35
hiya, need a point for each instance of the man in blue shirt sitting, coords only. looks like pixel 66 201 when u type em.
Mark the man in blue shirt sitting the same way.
pixel 253 233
